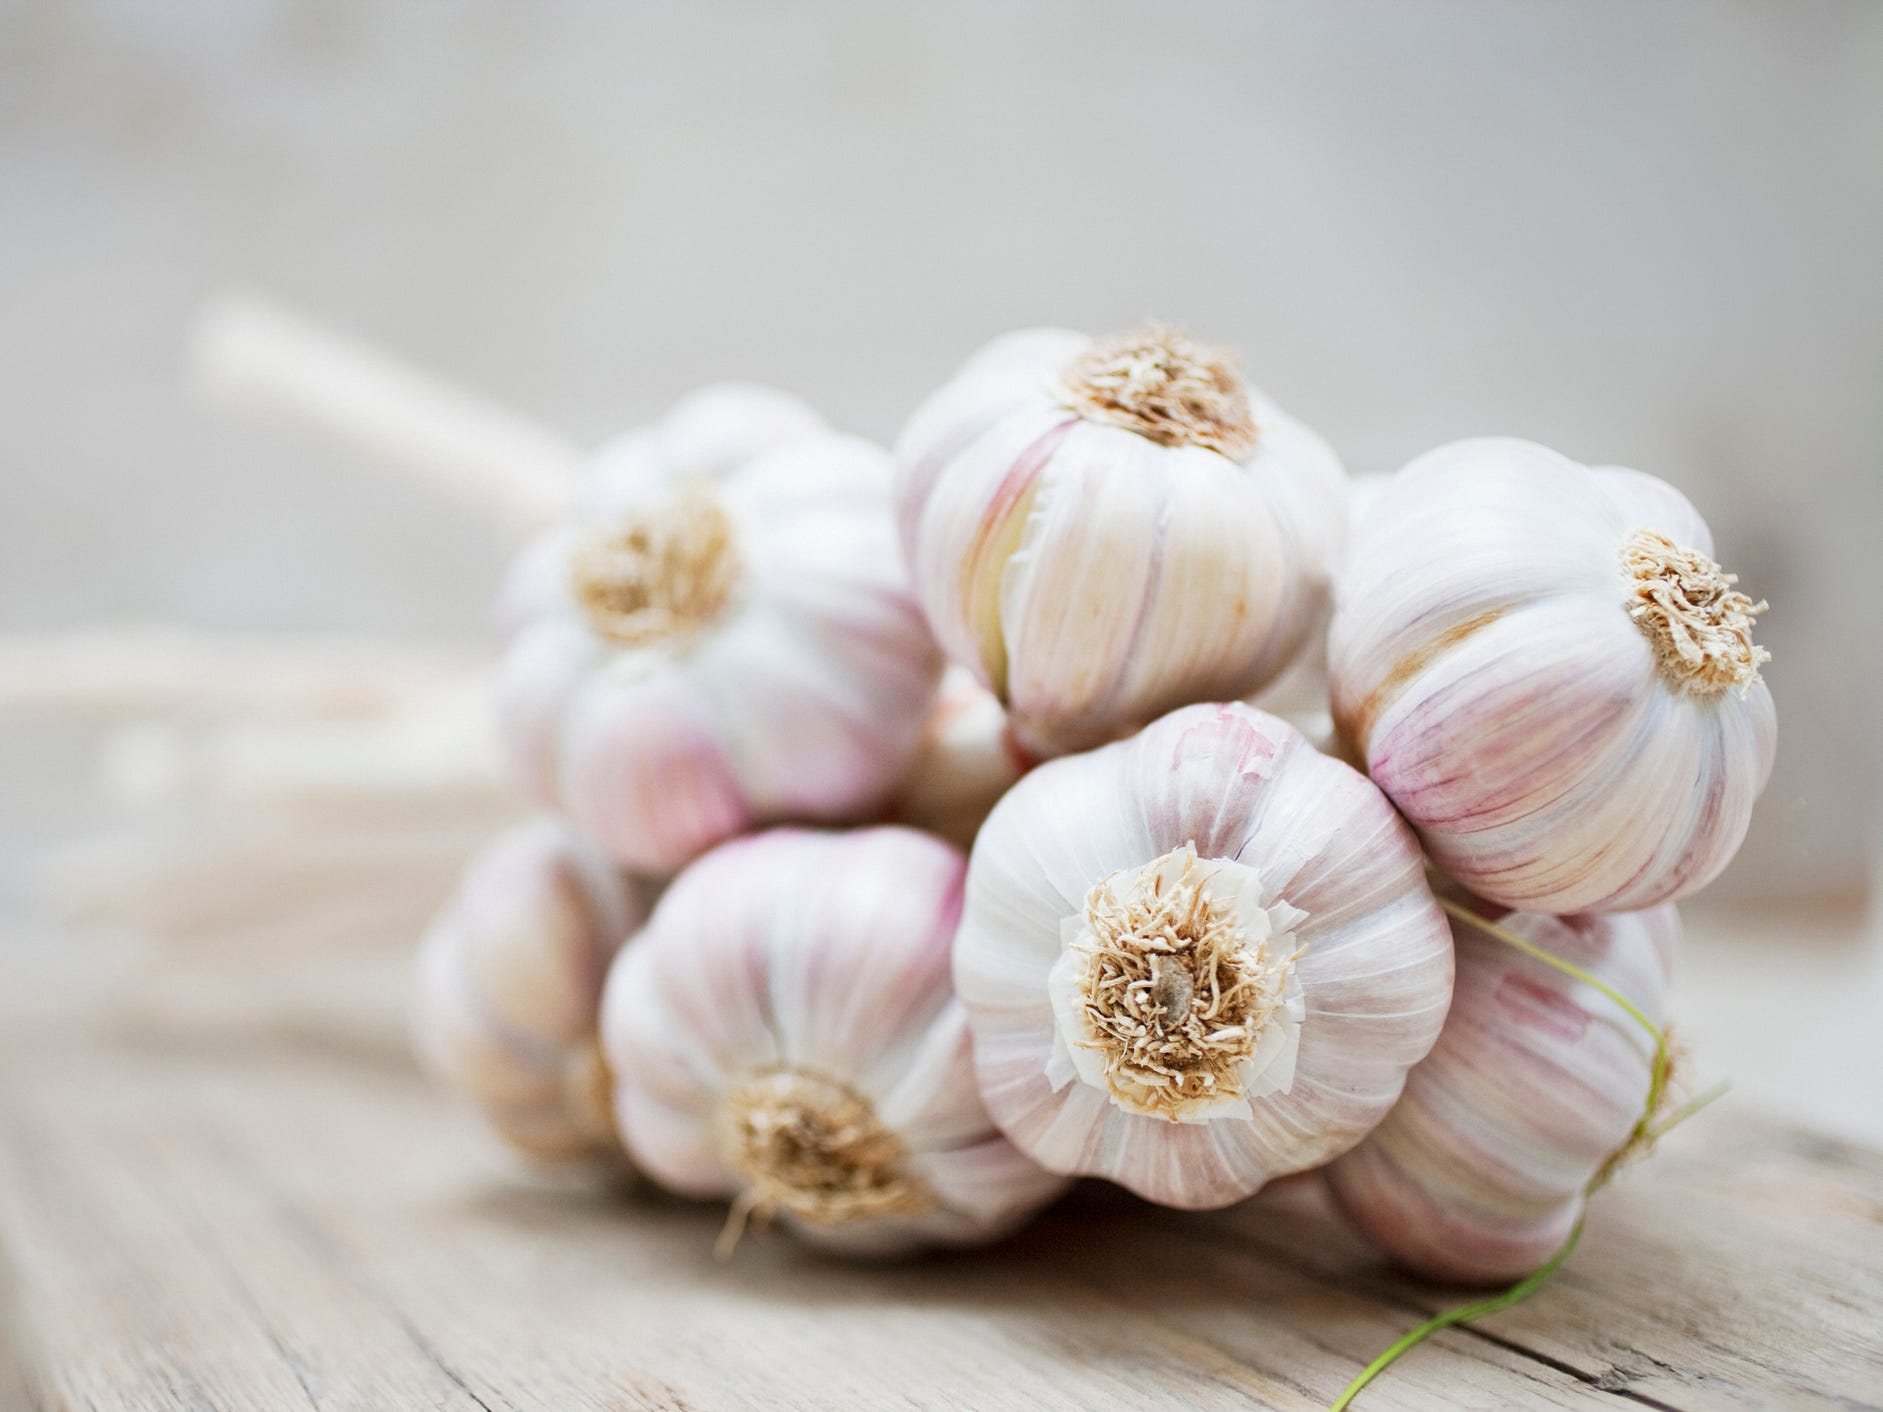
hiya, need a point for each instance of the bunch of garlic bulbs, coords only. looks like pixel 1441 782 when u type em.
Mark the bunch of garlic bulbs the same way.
pixel 1202 948
pixel 1197 948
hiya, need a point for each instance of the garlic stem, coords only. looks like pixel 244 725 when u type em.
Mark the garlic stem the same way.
pixel 251 352
pixel 1689 1108
pixel 1412 1338
pixel 1568 968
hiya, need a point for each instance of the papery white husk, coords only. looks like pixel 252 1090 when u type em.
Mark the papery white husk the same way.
pixel 1484 665
pixel 1093 578
pixel 803 698
pixel 826 953
pixel 509 987
pixel 1477 1174
pixel 1323 858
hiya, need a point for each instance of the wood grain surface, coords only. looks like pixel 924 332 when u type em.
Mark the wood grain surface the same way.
pixel 264 1226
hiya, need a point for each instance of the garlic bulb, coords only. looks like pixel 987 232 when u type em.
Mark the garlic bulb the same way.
pixel 510 982
pixel 783 1033
pixel 1300 694
pixel 712 640
pixel 1105 529
pixel 1198 958
pixel 1478 1173
pixel 968 758
pixel 1544 668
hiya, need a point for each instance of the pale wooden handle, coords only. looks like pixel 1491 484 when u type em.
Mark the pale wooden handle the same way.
pixel 250 352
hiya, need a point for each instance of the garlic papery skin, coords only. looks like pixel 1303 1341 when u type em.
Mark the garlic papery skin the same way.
pixel 1102 530
pixel 1198 958
pixel 784 1035
pixel 1544 668
pixel 509 988
pixel 1537 1081
pixel 698 649
pixel 967 759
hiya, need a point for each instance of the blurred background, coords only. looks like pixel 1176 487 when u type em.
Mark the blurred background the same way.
pixel 1640 234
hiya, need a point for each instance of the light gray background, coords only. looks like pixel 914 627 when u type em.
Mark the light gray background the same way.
pixel 1640 233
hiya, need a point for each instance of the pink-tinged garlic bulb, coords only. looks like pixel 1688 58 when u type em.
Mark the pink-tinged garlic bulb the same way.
pixel 1105 529
pixel 1545 669
pixel 784 1034
pixel 510 982
pixel 712 641
pixel 1198 958
pixel 1536 1083
pixel 968 758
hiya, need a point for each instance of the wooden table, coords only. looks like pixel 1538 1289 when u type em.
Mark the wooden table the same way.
pixel 262 1226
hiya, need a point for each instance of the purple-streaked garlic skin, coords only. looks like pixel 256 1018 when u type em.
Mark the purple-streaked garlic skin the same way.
pixel 802 697
pixel 1092 577
pixel 1477 1174
pixel 509 987
pixel 823 954
pixel 1375 964
pixel 1485 665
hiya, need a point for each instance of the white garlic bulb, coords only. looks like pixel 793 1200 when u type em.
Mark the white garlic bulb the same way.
pixel 783 1033
pixel 711 640
pixel 967 759
pixel 1544 668
pixel 1536 1082
pixel 1198 958
pixel 510 982
pixel 1106 529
